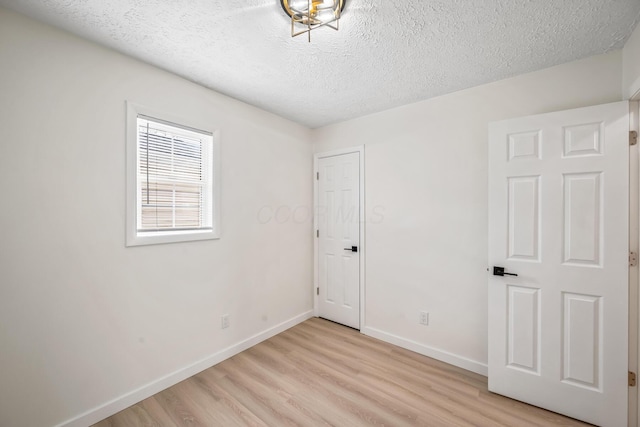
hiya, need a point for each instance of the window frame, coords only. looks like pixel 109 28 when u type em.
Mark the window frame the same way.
pixel 133 236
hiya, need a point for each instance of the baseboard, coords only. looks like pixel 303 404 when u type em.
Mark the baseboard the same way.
pixel 434 353
pixel 116 405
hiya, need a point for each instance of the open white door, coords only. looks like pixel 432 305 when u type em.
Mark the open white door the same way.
pixel 338 241
pixel 558 218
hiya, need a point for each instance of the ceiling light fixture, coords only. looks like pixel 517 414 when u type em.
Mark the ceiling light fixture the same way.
pixel 307 15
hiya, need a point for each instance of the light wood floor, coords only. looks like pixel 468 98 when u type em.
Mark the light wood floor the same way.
pixel 320 373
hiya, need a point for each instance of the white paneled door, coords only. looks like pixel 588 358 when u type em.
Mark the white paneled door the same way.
pixel 558 225
pixel 338 221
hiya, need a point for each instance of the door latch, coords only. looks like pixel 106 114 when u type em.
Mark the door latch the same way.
pixel 633 259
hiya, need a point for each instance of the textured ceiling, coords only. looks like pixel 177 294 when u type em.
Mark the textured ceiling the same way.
pixel 386 53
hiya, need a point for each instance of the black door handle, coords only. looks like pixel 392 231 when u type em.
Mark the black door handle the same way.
pixel 352 249
pixel 499 271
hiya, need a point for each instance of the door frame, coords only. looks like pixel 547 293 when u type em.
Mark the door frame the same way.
pixel 634 241
pixel 362 246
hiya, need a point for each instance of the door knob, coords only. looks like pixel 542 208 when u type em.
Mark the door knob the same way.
pixel 499 271
pixel 352 249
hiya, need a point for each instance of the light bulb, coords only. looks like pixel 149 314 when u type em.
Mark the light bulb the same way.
pixel 314 7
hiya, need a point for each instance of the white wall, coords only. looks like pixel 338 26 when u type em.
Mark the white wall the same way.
pixel 83 319
pixel 426 171
pixel 631 65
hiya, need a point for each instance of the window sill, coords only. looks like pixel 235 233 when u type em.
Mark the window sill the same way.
pixel 162 237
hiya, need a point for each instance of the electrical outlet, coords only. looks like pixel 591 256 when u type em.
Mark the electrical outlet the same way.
pixel 424 318
pixel 224 321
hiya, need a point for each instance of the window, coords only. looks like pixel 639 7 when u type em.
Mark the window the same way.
pixel 172 193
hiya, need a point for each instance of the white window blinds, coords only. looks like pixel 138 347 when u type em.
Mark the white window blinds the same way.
pixel 174 177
